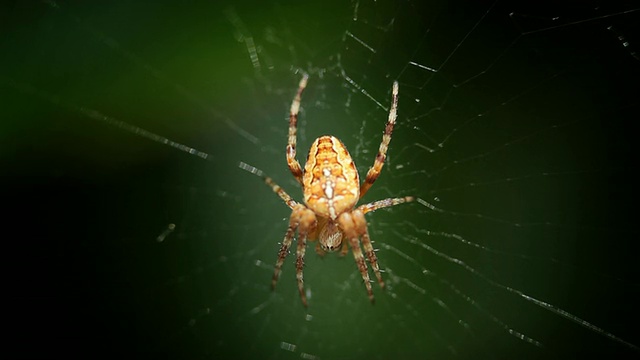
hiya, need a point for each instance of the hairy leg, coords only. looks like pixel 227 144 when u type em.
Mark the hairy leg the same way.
pixel 371 207
pixel 374 171
pixel 293 163
pixel 348 224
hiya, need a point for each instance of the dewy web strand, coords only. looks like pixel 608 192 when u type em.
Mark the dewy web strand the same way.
pixel 531 299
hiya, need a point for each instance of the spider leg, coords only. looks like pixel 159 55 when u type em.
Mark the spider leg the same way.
pixel 294 222
pixel 305 221
pixel 275 187
pixel 371 256
pixel 283 194
pixel 374 171
pixel 284 251
pixel 293 163
pixel 349 224
pixel 302 244
pixel 362 228
pixel 307 225
pixel 370 207
pixel 362 265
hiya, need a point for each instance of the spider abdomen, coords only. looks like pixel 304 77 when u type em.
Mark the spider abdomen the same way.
pixel 331 182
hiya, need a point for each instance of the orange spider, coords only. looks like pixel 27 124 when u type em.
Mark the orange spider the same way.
pixel 331 188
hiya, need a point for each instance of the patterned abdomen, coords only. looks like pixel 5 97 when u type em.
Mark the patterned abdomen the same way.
pixel 331 181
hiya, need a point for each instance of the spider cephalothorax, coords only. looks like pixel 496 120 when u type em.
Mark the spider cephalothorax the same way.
pixel 331 188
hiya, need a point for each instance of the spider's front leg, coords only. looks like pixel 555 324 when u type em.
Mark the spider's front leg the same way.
pixel 307 225
pixel 304 220
pixel 354 226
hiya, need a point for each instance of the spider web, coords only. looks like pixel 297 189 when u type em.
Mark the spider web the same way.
pixel 514 132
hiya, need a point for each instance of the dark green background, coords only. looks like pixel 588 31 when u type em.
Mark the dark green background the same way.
pixel 85 200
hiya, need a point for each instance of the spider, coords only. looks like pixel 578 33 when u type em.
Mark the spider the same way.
pixel 331 188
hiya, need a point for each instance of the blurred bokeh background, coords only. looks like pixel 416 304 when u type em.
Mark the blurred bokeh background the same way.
pixel 515 123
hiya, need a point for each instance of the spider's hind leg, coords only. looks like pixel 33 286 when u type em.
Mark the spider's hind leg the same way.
pixel 304 220
pixel 282 254
pixel 307 225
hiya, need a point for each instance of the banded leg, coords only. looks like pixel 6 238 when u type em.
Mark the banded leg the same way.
pixel 360 224
pixel 362 265
pixel 294 165
pixel 275 187
pixel 374 171
pixel 294 223
pixel 302 246
pixel 283 194
pixel 371 207
pixel 349 224
pixel 366 240
pixel 307 225
pixel 282 254
pixel 371 256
